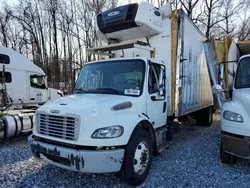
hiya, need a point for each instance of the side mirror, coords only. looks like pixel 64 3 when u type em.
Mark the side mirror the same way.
pixel 161 82
pixel 220 73
pixel 230 93
pixel 161 77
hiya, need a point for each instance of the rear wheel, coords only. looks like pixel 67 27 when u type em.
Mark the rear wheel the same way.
pixel 204 117
pixel 137 159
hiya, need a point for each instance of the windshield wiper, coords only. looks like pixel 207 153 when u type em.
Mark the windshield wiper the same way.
pixel 80 90
pixel 105 90
pixel 244 86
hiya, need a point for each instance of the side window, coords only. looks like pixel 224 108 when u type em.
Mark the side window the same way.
pixel 4 59
pixel 37 81
pixel 7 77
pixel 153 82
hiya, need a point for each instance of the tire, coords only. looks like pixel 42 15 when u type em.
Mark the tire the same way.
pixel 134 153
pixel 205 117
pixel 226 157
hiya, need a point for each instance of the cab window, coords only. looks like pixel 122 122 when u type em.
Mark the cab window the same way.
pixel 6 78
pixel 153 81
pixel 37 81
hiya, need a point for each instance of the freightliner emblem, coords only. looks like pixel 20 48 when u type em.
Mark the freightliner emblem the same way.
pixel 55 111
pixel 113 13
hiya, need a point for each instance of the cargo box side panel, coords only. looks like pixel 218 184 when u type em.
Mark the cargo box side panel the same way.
pixel 195 90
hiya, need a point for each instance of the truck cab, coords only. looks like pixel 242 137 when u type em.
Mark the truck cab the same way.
pixel 118 98
pixel 25 82
pixel 235 129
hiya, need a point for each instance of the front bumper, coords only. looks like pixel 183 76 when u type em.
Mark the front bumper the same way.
pixel 89 161
pixel 235 144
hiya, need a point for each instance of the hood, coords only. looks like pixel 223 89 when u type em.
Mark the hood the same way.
pixel 242 96
pixel 86 100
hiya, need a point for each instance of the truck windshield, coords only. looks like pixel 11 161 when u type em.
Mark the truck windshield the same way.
pixel 243 74
pixel 121 77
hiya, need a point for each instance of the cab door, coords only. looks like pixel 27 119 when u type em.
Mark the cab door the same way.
pixel 156 101
pixel 37 90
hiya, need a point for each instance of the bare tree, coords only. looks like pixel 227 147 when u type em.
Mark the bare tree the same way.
pixel 53 9
pixel 26 16
pixel 161 2
pixel 4 19
pixel 189 6
pixel 96 5
pixel 244 29
pixel 227 13
pixel 174 3
pixel 210 16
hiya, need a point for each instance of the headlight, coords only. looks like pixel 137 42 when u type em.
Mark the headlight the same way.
pixel 232 116
pixel 108 132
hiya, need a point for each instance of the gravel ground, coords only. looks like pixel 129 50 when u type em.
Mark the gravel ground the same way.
pixel 192 161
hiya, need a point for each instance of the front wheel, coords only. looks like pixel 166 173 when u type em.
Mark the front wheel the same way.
pixel 137 159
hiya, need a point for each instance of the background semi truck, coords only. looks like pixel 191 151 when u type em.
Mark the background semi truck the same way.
pixel 23 88
pixel 151 70
pixel 235 129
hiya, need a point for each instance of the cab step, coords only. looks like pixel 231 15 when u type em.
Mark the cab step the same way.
pixel 165 145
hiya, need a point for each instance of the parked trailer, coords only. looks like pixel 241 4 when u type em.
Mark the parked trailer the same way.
pixel 152 70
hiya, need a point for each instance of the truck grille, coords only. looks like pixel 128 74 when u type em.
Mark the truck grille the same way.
pixel 64 127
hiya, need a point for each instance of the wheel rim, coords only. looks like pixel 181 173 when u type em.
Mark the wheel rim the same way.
pixel 141 158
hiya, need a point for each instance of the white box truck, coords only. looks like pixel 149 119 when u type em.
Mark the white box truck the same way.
pixel 235 116
pixel 152 70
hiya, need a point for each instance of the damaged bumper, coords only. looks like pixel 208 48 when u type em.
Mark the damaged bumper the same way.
pixel 89 161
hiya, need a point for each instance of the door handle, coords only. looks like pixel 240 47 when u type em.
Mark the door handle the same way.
pixel 153 98
pixel 32 99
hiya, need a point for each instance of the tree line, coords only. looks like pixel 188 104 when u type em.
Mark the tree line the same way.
pixel 55 34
